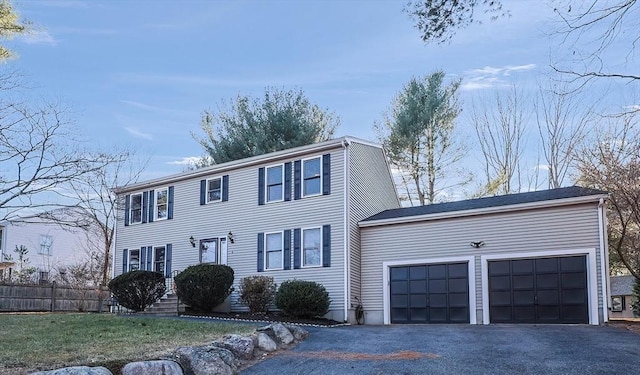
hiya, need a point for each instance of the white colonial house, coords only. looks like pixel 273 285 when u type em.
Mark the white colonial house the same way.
pixel 329 213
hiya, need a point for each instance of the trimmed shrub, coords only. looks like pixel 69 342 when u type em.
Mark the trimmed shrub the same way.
pixel 257 292
pixel 204 286
pixel 302 299
pixel 136 290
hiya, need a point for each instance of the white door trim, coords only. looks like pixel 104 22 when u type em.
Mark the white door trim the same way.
pixel 592 277
pixel 461 259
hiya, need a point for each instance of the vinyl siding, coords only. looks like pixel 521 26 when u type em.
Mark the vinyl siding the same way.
pixel 242 215
pixel 371 190
pixel 561 228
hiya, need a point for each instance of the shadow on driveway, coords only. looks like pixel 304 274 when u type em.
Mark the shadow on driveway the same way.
pixel 459 349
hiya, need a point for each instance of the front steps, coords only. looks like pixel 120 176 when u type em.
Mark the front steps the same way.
pixel 167 305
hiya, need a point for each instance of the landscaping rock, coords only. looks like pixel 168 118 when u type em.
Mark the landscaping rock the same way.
pixel 266 343
pixel 76 370
pixel 298 333
pixel 152 368
pixel 241 346
pixel 205 360
pixel 282 333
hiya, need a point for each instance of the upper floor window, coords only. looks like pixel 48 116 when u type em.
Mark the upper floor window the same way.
pixel 312 176
pixel 275 183
pixel 1 238
pixel 273 251
pixel 46 241
pixel 161 204
pixel 135 210
pixel 214 189
pixel 311 247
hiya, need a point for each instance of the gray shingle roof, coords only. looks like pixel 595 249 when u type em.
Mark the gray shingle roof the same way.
pixel 497 201
pixel 622 285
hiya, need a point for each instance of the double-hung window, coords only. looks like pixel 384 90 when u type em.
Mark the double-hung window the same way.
pixel 312 176
pixel 161 203
pixel 46 241
pixel 214 189
pixel 275 183
pixel 134 259
pixel 312 247
pixel 135 210
pixel 159 258
pixel 273 251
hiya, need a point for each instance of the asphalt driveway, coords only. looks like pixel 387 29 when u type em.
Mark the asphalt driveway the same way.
pixel 459 349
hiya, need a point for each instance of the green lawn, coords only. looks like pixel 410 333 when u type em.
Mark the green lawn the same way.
pixel 46 341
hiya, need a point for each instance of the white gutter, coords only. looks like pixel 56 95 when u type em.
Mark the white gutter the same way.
pixel 346 231
pixel 604 260
pixel 482 211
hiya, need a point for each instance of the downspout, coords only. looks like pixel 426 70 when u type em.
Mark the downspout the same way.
pixel 347 231
pixel 604 256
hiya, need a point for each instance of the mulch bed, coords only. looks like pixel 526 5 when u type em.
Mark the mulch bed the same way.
pixel 270 317
pixel 632 325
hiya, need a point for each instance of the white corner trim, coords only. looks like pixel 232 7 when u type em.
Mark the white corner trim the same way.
pixel 604 260
pixel 346 230
pixel 592 277
pixel 459 259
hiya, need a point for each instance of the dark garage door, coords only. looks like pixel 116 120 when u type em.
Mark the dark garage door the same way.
pixel 434 293
pixel 541 290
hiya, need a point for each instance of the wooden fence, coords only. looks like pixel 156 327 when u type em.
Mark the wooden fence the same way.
pixel 51 297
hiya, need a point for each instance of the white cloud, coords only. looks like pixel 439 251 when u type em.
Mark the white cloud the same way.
pixel 138 133
pixel 141 105
pixel 188 161
pixel 490 76
pixel 542 167
pixel 39 37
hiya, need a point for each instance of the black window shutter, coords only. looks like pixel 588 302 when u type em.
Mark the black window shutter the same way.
pixel 142 258
pixel 168 259
pixel 296 248
pixel 225 188
pixel 149 258
pixel 145 206
pixel 326 174
pixel 260 252
pixel 297 183
pixel 125 252
pixel 326 246
pixel 152 206
pixel 287 249
pixel 203 192
pixel 170 203
pixel 127 206
pixel 260 186
pixel 287 181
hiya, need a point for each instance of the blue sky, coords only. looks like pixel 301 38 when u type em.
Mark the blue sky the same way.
pixel 140 73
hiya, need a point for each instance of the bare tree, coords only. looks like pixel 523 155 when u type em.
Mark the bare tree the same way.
pixel 589 30
pixel 562 119
pixel 500 127
pixel 612 163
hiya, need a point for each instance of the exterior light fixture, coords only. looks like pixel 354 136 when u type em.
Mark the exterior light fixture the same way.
pixel 230 237
pixel 477 245
pixel 192 241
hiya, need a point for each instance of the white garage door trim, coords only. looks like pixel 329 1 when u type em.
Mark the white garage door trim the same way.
pixel 472 281
pixel 592 278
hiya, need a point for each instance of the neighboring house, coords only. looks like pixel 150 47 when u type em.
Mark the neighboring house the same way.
pixel 329 213
pixel 537 257
pixel 291 214
pixel 622 296
pixel 50 247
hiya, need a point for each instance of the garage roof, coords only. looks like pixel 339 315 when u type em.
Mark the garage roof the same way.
pixel 488 202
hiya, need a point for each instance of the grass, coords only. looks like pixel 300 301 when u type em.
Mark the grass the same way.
pixel 48 341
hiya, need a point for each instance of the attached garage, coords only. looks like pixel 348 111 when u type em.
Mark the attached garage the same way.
pixel 537 257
